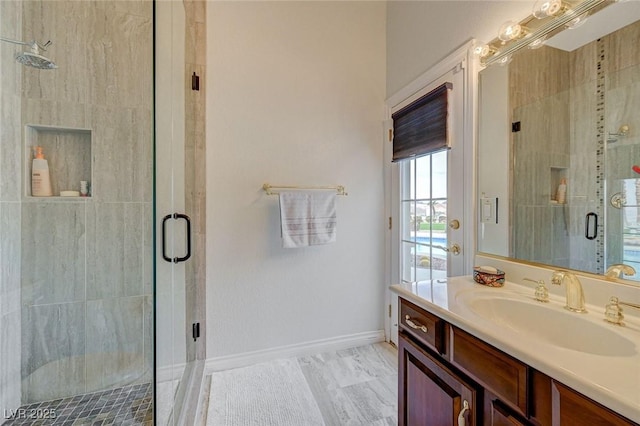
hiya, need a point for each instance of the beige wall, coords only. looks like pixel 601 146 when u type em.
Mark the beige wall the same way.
pixel 295 97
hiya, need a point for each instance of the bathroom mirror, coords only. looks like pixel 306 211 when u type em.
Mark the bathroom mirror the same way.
pixel 559 148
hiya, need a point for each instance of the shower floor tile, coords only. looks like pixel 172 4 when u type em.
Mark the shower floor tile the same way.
pixel 129 405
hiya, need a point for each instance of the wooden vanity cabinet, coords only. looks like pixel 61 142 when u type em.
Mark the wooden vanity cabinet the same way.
pixel 441 366
pixel 573 409
pixel 430 393
pixel 501 415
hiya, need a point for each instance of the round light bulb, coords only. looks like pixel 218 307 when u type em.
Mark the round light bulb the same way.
pixel 504 60
pixel 577 21
pixel 538 43
pixel 509 31
pixel 545 8
pixel 481 50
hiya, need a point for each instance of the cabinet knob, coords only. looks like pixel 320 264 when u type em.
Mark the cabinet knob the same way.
pixel 414 324
pixel 462 421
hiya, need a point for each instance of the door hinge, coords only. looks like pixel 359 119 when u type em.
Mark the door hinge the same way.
pixel 389 310
pixel 195 330
pixel 390 222
pixel 390 135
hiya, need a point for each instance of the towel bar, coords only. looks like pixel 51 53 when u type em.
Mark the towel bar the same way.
pixel 268 188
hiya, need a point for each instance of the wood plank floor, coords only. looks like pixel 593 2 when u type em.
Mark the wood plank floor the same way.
pixel 355 386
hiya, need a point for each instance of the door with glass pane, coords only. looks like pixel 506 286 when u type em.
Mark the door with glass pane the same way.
pixel 428 193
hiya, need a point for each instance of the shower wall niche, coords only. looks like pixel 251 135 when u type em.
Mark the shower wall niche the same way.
pixel 67 151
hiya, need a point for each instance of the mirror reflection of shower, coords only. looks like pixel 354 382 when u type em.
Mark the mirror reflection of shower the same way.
pixel 622 132
pixel 32 57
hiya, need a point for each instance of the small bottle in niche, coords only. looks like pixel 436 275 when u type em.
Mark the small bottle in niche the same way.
pixel 561 193
pixel 40 179
pixel 84 188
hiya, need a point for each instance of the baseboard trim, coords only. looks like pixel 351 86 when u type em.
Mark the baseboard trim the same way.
pixel 169 373
pixel 228 362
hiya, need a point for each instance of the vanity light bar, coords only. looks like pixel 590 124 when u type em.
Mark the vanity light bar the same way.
pixel 546 29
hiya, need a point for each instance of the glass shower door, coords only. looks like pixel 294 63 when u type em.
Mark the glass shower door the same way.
pixel 622 155
pixel 174 264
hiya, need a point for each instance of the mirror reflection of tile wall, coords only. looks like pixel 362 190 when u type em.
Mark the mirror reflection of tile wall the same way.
pixel 623 152
pixel 565 128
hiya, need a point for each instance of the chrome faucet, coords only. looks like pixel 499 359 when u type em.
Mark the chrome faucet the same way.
pixel 575 295
pixel 616 270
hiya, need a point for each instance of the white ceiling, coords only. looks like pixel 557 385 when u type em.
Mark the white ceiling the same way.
pixel 606 21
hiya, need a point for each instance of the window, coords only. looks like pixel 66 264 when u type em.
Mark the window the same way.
pixel 423 217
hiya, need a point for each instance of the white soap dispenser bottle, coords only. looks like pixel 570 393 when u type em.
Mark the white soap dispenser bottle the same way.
pixel 561 194
pixel 40 179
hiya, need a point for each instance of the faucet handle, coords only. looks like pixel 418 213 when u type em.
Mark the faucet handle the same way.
pixel 542 293
pixel 557 277
pixel 613 311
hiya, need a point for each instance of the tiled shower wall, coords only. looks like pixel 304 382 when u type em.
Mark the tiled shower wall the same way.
pixel 85 264
pixel 10 218
pixel 558 140
pixel 584 184
pixel 542 152
pixel 622 96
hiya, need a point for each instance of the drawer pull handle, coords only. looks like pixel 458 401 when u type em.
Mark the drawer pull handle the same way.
pixel 415 325
pixel 461 419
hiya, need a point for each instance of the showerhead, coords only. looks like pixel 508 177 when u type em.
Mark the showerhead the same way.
pixel 34 60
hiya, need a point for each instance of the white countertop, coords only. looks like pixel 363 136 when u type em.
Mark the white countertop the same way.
pixel 613 381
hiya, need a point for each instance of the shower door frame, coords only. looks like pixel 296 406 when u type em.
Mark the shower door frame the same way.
pixel 181 299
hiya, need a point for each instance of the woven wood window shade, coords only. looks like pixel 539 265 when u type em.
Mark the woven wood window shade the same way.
pixel 422 126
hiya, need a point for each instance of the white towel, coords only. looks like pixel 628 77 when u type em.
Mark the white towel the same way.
pixel 307 218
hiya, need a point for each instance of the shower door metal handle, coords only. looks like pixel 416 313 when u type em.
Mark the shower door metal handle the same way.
pixel 587 234
pixel 164 237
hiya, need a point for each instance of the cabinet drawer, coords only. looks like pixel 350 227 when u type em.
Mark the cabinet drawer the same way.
pixel 501 415
pixel 503 375
pixel 426 327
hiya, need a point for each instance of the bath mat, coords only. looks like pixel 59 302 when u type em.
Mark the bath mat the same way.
pixel 270 393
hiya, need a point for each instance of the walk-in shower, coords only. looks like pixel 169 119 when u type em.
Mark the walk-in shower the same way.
pixel 93 321
pixel 77 299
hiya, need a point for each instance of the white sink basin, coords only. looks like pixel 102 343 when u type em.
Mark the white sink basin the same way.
pixel 553 325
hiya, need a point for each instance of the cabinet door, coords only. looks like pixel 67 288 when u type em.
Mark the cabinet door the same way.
pixel 573 409
pixel 429 393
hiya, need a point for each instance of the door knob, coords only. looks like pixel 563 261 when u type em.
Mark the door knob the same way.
pixel 454 249
pixel 454 224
